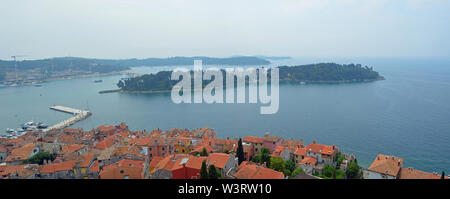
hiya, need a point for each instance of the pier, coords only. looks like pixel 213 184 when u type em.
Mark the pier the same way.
pixel 79 115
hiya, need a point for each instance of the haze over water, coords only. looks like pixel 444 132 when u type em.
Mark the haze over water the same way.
pixel 406 115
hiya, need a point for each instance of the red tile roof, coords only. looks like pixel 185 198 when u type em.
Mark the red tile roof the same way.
pixel 308 161
pixel 95 167
pixel 155 161
pixel 87 159
pixel 252 171
pixel 105 144
pixel 55 167
pixel 278 151
pixel 408 173
pixel 21 153
pixel 105 128
pixel 122 173
pixel 252 139
pixel 320 148
pixel 300 151
pixel 219 160
pixel 384 164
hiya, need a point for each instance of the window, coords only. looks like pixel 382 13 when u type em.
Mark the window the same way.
pixel 150 148
pixel 163 148
pixel 163 154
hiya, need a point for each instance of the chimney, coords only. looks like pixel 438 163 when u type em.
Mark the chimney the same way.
pixel 228 138
pixel 265 164
pixel 399 163
pixel 334 147
pixel 314 141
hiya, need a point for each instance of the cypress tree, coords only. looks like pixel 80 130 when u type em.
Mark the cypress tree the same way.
pixel 240 152
pixel 204 152
pixel 203 171
pixel 213 174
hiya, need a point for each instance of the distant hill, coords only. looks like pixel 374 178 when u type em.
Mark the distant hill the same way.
pixel 110 65
pixel 313 73
pixel 273 57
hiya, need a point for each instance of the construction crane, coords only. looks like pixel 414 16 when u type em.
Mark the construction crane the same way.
pixel 15 63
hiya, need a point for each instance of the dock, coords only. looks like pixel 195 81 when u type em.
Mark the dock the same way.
pixel 79 115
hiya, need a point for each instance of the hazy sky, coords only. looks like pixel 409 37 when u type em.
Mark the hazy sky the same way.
pixel 153 28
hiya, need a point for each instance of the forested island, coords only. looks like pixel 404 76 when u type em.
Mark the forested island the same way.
pixel 328 73
pixel 312 73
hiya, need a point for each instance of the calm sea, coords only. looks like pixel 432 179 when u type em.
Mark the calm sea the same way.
pixel 406 115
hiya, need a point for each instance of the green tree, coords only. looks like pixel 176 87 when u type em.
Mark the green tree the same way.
pixel 213 173
pixel 203 171
pixel 340 174
pixel 290 165
pixel 39 158
pixel 204 152
pixel 334 173
pixel 240 152
pixel 328 171
pixel 263 157
pixel 277 164
pixel 340 159
pixel 353 170
pixel 297 171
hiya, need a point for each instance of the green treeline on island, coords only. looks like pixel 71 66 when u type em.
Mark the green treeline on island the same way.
pixel 313 73
pixel 112 65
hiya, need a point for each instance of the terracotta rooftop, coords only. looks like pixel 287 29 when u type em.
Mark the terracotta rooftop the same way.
pixel 252 171
pixel 408 173
pixel 300 151
pixel 384 164
pixel 308 161
pixel 218 159
pixel 320 148
pixel 253 139
pixel 55 167
pixel 21 153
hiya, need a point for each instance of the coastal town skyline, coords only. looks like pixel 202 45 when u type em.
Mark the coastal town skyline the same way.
pixel 114 152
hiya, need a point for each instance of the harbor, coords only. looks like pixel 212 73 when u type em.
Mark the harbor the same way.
pixel 31 126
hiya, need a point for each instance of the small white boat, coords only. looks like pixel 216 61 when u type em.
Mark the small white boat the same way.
pixel 9 130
